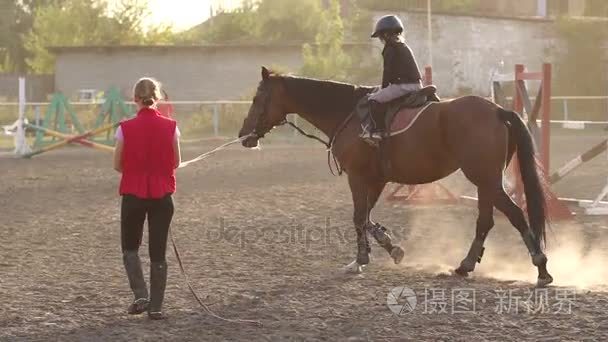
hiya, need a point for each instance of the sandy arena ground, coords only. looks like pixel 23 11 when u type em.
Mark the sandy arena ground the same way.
pixel 263 235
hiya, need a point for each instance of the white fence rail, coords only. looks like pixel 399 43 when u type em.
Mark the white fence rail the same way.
pixel 227 114
pixel 201 118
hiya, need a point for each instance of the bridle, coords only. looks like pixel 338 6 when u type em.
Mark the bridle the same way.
pixel 260 131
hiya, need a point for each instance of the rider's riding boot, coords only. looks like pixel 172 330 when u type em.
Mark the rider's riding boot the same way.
pixel 158 281
pixel 433 98
pixel 377 111
pixel 136 281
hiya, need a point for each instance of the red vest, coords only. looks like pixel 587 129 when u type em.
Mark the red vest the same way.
pixel 148 158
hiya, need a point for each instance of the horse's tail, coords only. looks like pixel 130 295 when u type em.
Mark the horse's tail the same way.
pixel 533 189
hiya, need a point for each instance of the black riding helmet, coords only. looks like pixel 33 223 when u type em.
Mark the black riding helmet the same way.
pixel 388 24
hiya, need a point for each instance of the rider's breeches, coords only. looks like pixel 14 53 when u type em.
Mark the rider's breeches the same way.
pixel 133 213
pixel 394 91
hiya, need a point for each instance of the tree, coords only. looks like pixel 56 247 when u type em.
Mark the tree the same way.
pixel 75 23
pixel 327 58
pixel 583 45
pixel 86 22
pixel 16 19
pixel 289 20
pixel 238 25
pixel 439 5
pixel 596 8
pixel 262 21
pixel 128 18
pixel 578 61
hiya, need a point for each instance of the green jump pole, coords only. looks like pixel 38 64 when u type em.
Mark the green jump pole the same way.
pixel 83 142
pixel 72 139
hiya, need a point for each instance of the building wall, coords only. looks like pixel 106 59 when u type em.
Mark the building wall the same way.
pixel 467 50
pixel 576 7
pixel 512 7
pixel 37 87
pixel 193 73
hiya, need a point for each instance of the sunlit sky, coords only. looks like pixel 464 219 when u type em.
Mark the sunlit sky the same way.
pixel 183 14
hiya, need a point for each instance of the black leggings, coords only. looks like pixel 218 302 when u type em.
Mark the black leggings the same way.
pixel 133 213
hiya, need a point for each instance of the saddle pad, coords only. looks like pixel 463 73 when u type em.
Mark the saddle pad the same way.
pixel 405 118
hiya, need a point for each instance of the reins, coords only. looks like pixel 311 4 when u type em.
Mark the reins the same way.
pixel 308 135
pixel 214 151
pixel 178 256
pixel 328 144
pixel 203 305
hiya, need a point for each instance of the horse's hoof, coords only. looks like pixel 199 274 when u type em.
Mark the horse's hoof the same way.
pixel 461 272
pixel 542 282
pixel 465 267
pixel 397 253
pixel 353 268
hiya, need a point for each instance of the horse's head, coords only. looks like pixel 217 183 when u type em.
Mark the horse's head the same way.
pixel 266 111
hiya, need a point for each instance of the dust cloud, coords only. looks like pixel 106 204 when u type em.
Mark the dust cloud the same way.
pixel 438 239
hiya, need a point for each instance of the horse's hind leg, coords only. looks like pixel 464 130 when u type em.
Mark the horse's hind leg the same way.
pixel 505 204
pixel 485 222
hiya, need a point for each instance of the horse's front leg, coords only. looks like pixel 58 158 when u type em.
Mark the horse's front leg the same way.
pixel 365 195
pixel 361 205
pixel 381 235
pixel 379 232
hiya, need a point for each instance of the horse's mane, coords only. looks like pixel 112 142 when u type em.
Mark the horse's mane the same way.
pixel 324 96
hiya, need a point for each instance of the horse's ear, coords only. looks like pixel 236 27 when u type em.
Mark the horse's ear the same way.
pixel 265 73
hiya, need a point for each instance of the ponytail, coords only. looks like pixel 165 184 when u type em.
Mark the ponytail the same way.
pixel 147 91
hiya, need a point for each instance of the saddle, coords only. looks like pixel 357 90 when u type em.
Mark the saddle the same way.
pixel 401 112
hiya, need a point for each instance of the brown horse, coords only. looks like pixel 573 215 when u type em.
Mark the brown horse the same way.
pixel 468 133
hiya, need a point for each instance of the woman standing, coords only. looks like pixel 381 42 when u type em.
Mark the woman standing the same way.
pixel 147 153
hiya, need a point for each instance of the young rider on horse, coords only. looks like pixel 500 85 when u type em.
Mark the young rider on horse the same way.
pixel 401 74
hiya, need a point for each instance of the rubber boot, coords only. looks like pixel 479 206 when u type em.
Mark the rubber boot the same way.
pixel 378 112
pixel 136 281
pixel 158 282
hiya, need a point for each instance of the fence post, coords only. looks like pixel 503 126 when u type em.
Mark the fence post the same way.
pixel 546 117
pixel 37 115
pixel 216 120
pixel 21 99
pixel 566 116
pixel 21 146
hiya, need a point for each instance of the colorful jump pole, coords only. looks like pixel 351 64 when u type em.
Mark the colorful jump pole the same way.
pixel 71 139
pixel 578 161
pixel 83 142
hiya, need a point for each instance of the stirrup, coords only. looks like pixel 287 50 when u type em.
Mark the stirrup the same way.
pixel 373 138
pixel 371 141
pixel 378 135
